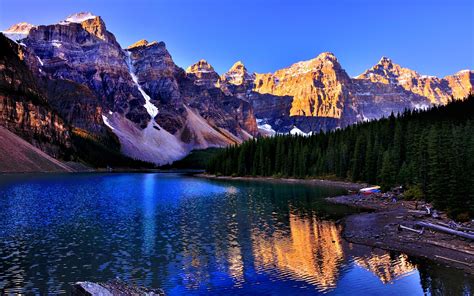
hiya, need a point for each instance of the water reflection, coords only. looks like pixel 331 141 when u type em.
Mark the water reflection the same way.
pixel 193 237
pixel 309 250
pixel 385 266
pixel 149 225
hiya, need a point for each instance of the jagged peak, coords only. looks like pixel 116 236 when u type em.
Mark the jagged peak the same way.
pixel 203 62
pixel 385 59
pixel 327 56
pixel 322 57
pixel 200 66
pixel 238 65
pixel 79 17
pixel 326 59
pixel 465 71
pixel 144 43
pixel 386 63
pixel 139 43
pixel 386 71
pixel 238 74
pixel 20 28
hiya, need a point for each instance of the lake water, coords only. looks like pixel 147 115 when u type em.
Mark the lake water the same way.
pixel 194 236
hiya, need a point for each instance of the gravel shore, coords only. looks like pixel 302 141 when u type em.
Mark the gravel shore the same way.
pixel 379 227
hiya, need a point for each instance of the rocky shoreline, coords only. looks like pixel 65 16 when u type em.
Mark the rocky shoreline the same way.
pixel 383 224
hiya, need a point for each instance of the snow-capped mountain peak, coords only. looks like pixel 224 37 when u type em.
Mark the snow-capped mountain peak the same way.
pixel 18 31
pixel 79 17
pixel 20 28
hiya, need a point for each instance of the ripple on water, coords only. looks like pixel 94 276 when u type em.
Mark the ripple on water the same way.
pixel 190 236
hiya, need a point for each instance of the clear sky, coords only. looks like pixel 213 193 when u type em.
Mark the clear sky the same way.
pixel 432 37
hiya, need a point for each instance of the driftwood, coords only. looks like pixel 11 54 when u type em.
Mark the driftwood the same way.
pixel 453 260
pixel 400 227
pixel 448 246
pixel 445 229
pixel 456 226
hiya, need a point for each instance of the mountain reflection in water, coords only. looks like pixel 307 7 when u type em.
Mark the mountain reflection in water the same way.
pixel 191 236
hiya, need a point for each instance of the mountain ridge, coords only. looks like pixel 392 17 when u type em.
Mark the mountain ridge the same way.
pixel 101 87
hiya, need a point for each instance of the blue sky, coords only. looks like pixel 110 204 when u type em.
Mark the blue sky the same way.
pixel 430 36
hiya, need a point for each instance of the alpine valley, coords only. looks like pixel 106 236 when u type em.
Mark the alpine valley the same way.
pixel 65 83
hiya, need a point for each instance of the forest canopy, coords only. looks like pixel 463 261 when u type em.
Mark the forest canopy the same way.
pixel 430 151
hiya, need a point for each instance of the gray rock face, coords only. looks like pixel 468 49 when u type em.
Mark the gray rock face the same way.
pixel 93 82
pixel 175 92
pixel 87 54
pixel 203 74
pixel 158 75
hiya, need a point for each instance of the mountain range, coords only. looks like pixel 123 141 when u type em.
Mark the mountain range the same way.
pixel 74 78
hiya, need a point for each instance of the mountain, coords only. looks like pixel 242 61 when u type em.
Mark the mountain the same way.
pixel 319 94
pixel 24 109
pixel 157 111
pixel 436 90
pixel 138 100
pixel 17 155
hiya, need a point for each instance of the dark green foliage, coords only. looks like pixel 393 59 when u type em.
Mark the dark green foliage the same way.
pixel 100 154
pixel 431 150
pixel 197 159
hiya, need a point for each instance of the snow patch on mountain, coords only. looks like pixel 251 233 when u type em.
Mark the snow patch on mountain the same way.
pixel 297 131
pixel 150 108
pixel 78 17
pixel 18 31
pixel 16 37
pixel 56 43
pixel 106 121
pixel 265 128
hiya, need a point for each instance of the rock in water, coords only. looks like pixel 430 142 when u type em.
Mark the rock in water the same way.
pixel 112 288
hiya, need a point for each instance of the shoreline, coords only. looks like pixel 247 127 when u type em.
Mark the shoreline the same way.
pixel 320 182
pixel 378 226
pixel 101 171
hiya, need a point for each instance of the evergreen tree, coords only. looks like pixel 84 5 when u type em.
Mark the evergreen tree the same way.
pixel 429 150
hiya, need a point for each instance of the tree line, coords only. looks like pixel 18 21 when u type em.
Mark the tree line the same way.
pixel 430 151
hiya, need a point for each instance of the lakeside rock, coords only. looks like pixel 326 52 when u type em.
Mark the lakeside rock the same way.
pixel 113 288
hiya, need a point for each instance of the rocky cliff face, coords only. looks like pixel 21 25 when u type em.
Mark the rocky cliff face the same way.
pixel 160 112
pixel 193 108
pixel 461 83
pixel 85 53
pixel 203 74
pixel 318 94
pixel 436 90
pixel 24 109
pixel 319 87
pixel 217 104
